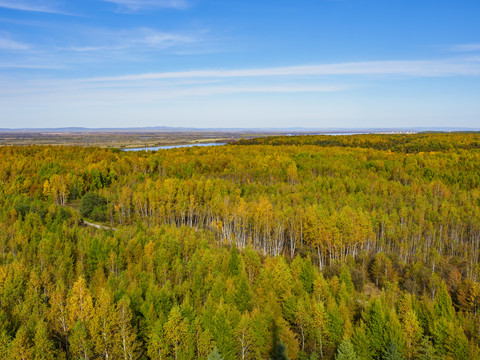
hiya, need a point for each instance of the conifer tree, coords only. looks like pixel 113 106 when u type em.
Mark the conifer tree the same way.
pixel 346 351
pixel 242 295
pixel 21 346
pixel 176 332
pixel 443 303
pixel 279 349
pixel 346 278
pixel 279 352
pixel 203 340
pixel 80 342
pixel 43 347
pixel 223 333
pixel 234 262
pixel 391 352
pixel 361 342
pixel 5 342
pixel 156 344
pixel 412 334
pixel 426 350
pixel 215 355
pixel 375 322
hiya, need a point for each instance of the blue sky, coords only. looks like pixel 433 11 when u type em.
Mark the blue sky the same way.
pixel 202 63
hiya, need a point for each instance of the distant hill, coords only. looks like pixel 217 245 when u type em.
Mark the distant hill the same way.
pixel 295 130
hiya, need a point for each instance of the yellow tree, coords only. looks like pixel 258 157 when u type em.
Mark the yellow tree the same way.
pixel 59 188
pixel 412 334
pixel 175 332
pixel 320 320
pixel 468 296
pixel 102 327
pixel 58 317
pixel 244 336
pixel 80 310
pixel 43 347
pixel 80 303
pixel 156 347
pixel 127 344
pixel 21 347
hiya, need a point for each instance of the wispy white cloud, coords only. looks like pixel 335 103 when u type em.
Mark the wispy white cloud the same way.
pixel 22 65
pixel 222 90
pixel 429 68
pixel 32 5
pixel 12 45
pixel 137 5
pixel 466 47
pixel 98 46
pixel 155 38
pixel 51 92
pixel 153 87
pixel 143 39
pixel 46 90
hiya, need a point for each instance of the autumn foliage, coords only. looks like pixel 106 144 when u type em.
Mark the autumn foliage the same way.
pixel 316 247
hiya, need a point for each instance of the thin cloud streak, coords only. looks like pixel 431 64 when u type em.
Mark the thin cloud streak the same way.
pixel 136 5
pixel 10 65
pixel 143 39
pixel 12 45
pixel 223 90
pixel 46 90
pixel 433 68
pixel 100 46
pixel 29 6
pixel 466 47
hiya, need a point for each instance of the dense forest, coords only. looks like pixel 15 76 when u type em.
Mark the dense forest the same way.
pixel 313 247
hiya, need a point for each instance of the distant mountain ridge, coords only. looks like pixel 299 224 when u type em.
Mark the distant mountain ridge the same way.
pixel 268 129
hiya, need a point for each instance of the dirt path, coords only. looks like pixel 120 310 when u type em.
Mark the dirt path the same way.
pixel 98 226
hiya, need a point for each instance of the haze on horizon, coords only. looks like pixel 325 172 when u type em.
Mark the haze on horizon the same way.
pixel 241 64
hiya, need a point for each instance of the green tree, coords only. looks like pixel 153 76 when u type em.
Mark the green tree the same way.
pixel 426 350
pixel 346 279
pixel 412 334
pixel 443 303
pixel 376 324
pixel 21 346
pixel 391 352
pixel 242 296
pixel 320 321
pixel 176 332
pixel 244 336
pixel 80 342
pixel 157 347
pixel 279 351
pixel 5 342
pixel 234 262
pixel 215 355
pixel 93 206
pixel 346 351
pixel 43 346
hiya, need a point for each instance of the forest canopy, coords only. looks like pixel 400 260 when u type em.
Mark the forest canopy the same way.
pixel 308 247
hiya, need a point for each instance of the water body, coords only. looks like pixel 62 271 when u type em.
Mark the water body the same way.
pixel 332 134
pixel 153 148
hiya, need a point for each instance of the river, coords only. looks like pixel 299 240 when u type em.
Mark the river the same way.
pixel 153 148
